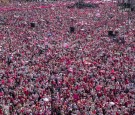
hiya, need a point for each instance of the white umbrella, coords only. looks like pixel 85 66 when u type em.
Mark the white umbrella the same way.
pixel 46 99
pixel 111 103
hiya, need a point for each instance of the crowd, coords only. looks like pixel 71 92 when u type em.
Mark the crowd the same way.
pixel 46 68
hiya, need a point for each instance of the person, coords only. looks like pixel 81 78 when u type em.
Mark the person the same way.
pixel 1 110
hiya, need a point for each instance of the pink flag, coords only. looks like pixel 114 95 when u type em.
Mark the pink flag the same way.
pixel 98 88
pixel 1 94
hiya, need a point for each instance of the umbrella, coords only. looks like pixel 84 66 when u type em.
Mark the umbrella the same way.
pixel 111 103
pixel 46 99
